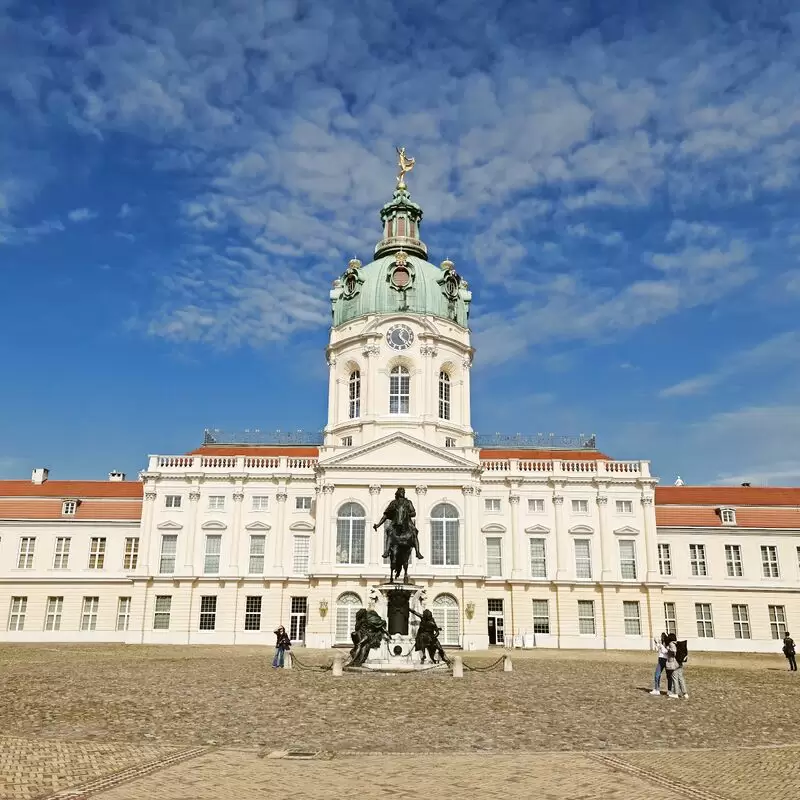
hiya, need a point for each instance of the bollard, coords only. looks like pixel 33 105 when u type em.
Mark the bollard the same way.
pixel 287 660
pixel 507 666
pixel 458 667
pixel 337 665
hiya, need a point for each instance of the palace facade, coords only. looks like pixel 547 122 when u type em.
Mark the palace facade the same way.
pixel 535 542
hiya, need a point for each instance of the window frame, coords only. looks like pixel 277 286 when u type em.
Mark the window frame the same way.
pixel 169 501
pixel 579 505
pixel 301 540
pixel 252 615
pixel 665 561
pixel 208 613
pixel 54 608
pixel 351 535
pixel 778 627
pixel 90 610
pixel 582 618
pixel 629 563
pixel 399 390
pixel 164 556
pixel 210 565
pixel 124 613
pixel 539 616
pixel 627 606
pixel 701 607
pixel 585 561
pixel 259 502
pixel 26 552
pixel 354 394
pixel 624 506
pixel 536 560
pixel 533 502
pixel 743 622
pixel 69 508
pixel 61 558
pixel 727 515
pixel 495 570
pixel 216 502
pixel 492 505
pixel 300 502
pixel 97 552
pixel 734 566
pixel 698 560
pixel 442 536
pixel 160 613
pixel 445 395
pixel 253 553
pixel 671 617
pixel 17 612
pixel 130 555
pixel 769 564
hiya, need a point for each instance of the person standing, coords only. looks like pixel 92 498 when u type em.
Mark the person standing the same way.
pixel 663 652
pixel 675 670
pixel 282 644
pixel 789 652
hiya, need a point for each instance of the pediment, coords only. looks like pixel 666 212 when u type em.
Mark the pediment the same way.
pixel 493 527
pixel 537 529
pixel 581 529
pixel 213 525
pixel 398 450
pixel 626 530
pixel 169 525
pixel 257 526
pixel 300 525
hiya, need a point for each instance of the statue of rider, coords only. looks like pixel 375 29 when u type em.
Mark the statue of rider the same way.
pixel 391 515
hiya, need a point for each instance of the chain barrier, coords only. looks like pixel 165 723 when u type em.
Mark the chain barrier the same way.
pixel 296 662
pixel 484 669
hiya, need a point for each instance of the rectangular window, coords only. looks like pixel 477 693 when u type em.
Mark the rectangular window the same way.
pixel 624 507
pixel 664 560
pixel 27 546
pixel 733 560
pixel 161 613
pixel 670 618
pixel 627 559
pixel 131 557
pixel 52 619
pixel 355 394
pixel 169 551
pixel 123 613
pixel 97 552
pixel 541 616
pixel 89 613
pixel 261 502
pixel 777 621
pixel 297 619
pixel 444 537
pixel 798 558
pixel 350 535
pixel 208 612
pixel 449 441
pixel 741 621
pixel 535 505
pixel 61 555
pixel 252 613
pixel 697 559
pixel 580 506
pixel 302 555
pixel 491 504
pixel 172 501
pixel 632 618
pixel 494 556
pixel 258 545
pixel 399 391
pixel 538 558
pixel 347 441
pixel 213 550
pixel 16 616
pixel 583 559
pixel 302 504
pixel 586 624
pixel 769 561
pixel 728 516
pixel 216 502
pixel 69 507
pixel 444 395
pixel 705 624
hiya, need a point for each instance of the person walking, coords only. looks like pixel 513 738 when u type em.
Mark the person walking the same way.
pixel 282 644
pixel 663 652
pixel 789 652
pixel 675 670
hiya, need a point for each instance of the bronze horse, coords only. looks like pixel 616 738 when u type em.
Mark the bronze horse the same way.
pixel 401 543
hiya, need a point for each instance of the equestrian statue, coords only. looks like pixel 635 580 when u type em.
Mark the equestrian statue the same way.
pixel 400 535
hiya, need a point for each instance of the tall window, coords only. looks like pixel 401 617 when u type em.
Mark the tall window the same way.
pixel 89 611
pixel 297 619
pixel 27 547
pixel 131 557
pixel 670 618
pixel 445 612
pixel 123 613
pixel 213 550
pixel 97 552
pixel 61 555
pixel 586 617
pixel 664 560
pixel 769 561
pixel 777 621
pixel 583 559
pixel 494 556
pixel 16 616
pixel 161 612
pixel 632 617
pixel 697 559
pixel 444 535
pixel 208 612
pixel 52 620
pixel 347 606
pixel 705 623
pixel 355 394
pixel 733 560
pixel 258 546
pixel 350 527
pixel 252 613
pixel 541 616
pixel 399 390
pixel 444 395
pixel 169 550
pixel 538 558
pixel 741 621
pixel 301 555
pixel 627 559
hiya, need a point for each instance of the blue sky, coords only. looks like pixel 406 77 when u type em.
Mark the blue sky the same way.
pixel 181 182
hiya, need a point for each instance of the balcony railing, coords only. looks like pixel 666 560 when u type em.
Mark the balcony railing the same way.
pixel 517 466
pixel 263 464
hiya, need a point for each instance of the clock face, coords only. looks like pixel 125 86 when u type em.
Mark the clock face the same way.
pixel 399 337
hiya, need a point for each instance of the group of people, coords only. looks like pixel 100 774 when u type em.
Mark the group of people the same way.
pixel 671 659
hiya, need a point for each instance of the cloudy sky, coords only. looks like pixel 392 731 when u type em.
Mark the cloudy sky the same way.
pixel 181 181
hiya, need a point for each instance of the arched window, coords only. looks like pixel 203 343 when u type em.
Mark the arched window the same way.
pixel 445 612
pixel 399 390
pixel 444 535
pixel 355 394
pixel 350 525
pixel 347 605
pixel 444 395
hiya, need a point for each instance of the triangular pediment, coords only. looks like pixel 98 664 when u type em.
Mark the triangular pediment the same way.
pixel 169 525
pixel 493 527
pixel 213 525
pixel 581 529
pixel 626 530
pixel 398 450
pixel 537 529
pixel 257 526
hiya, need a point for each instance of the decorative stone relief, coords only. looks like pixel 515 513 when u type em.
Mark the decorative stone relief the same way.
pixel 466 363
pixel 371 350
pixel 375 488
pixel 421 490
pixel 467 490
pixel 647 501
pixel 558 500
pixel 281 495
pixel 328 488
pixel 513 499
pixel 150 496
pixel 602 500
pixel 429 350
pixel 238 497
pixel 194 495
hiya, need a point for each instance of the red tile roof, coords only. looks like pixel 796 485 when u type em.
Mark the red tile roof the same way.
pixel 38 508
pixel 255 450
pixel 707 517
pixel 733 496
pixel 545 455
pixel 72 489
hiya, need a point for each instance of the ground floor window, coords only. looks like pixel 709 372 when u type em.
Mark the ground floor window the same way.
pixel 252 613
pixel 541 616
pixel 91 606
pixel 741 622
pixel 161 613
pixel 777 621
pixel 52 620
pixel 632 618
pixel 123 613
pixel 670 619
pixel 347 607
pixel 297 619
pixel 446 614
pixel 16 617
pixel 586 624
pixel 208 612
pixel 705 624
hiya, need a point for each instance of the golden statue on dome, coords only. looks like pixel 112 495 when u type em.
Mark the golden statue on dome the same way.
pixel 405 163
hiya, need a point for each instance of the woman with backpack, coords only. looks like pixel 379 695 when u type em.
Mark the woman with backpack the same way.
pixel 663 652
pixel 282 644
pixel 789 652
pixel 675 670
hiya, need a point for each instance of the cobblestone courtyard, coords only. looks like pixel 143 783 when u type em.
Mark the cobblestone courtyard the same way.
pixel 196 722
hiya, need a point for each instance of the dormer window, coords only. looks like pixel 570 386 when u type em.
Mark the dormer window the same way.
pixel 728 516
pixel 69 507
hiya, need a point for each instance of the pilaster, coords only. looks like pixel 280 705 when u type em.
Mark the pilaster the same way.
pixel 147 532
pixel 517 554
pixel 280 530
pixel 191 544
pixel 650 539
pixel 562 540
pixel 324 521
pixel 374 537
pixel 236 533
pixel 423 528
pixel 607 571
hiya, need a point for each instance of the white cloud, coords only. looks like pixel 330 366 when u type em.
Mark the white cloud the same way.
pixel 81 215
pixel 125 210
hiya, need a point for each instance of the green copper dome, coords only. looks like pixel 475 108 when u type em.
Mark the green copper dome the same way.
pixel 400 279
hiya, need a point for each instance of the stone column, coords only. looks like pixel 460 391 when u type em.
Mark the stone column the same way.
pixel 369 405
pixel 325 522
pixel 517 551
pixel 191 544
pixel 374 538
pixel 427 367
pixel 280 531
pixel 650 539
pixel 562 540
pixel 607 571
pixel 422 522
pixel 469 543
pixel 148 534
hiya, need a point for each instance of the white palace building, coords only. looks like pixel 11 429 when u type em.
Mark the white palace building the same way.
pixel 531 542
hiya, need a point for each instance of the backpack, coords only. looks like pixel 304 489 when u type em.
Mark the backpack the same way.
pixel 681 652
